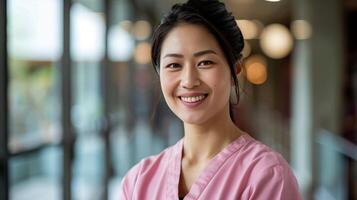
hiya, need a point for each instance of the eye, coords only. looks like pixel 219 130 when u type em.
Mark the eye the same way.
pixel 173 66
pixel 205 63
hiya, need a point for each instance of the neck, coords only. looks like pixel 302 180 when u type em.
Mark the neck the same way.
pixel 202 142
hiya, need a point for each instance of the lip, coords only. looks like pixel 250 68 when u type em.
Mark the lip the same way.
pixel 192 104
pixel 191 94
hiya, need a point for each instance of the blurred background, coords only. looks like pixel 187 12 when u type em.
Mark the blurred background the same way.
pixel 80 103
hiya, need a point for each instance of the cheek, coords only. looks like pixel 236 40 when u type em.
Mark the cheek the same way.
pixel 166 85
pixel 163 84
pixel 220 80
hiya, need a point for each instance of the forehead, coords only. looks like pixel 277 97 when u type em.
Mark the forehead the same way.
pixel 189 38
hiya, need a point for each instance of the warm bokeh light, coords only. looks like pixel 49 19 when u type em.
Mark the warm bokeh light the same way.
pixel 247 49
pixel 276 41
pixel 256 69
pixel 259 25
pixel 142 30
pixel 301 29
pixel 126 25
pixel 249 29
pixel 142 53
pixel 273 0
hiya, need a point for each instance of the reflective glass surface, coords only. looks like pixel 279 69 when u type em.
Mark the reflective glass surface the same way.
pixel 34 44
pixel 37 175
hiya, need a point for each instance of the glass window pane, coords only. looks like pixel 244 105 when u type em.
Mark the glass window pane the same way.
pixel 34 32
pixel 87 51
pixel 37 176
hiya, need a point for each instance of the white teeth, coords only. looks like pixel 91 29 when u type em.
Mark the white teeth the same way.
pixel 193 99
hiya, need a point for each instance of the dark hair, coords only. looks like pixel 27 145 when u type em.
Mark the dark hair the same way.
pixel 214 16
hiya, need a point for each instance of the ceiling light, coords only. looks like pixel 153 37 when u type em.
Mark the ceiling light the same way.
pixel 273 0
pixel 249 29
pixel 247 49
pixel 301 29
pixel 256 69
pixel 142 53
pixel 276 41
pixel 142 30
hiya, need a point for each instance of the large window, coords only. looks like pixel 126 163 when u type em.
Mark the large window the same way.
pixel 84 104
pixel 34 51
pixel 34 44
pixel 87 53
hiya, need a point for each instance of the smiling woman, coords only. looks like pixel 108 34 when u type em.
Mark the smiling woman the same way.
pixel 196 52
pixel 194 75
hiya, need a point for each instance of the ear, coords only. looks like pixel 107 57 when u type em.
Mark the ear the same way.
pixel 238 68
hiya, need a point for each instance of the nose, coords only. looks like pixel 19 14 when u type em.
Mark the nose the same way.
pixel 189 77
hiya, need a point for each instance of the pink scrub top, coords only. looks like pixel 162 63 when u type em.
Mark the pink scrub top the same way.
pixel 245 169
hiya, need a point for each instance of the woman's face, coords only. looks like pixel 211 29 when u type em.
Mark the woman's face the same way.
pixel 194 75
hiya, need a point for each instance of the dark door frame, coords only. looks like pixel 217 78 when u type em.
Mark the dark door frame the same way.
pixel 4 103
pixel 68 138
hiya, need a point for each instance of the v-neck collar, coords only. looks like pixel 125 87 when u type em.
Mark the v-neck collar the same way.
pixel 174 169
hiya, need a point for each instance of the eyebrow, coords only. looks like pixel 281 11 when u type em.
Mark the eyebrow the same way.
pixel 197 54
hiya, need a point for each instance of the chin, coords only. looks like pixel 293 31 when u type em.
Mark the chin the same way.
pixel 196 120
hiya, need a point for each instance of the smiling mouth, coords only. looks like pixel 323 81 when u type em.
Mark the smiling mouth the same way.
pixel 193 99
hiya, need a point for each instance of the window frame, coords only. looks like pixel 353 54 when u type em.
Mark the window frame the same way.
pixel 68 134
pixel 4 129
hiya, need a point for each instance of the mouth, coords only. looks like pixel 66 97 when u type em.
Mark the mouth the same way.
pixel 193 101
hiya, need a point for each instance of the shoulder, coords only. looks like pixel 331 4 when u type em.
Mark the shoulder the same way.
pixel 147 167
pixel 269 175
pixel 258 155
pixel 151 162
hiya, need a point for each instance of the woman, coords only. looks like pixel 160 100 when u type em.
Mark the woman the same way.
pixel 196 52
